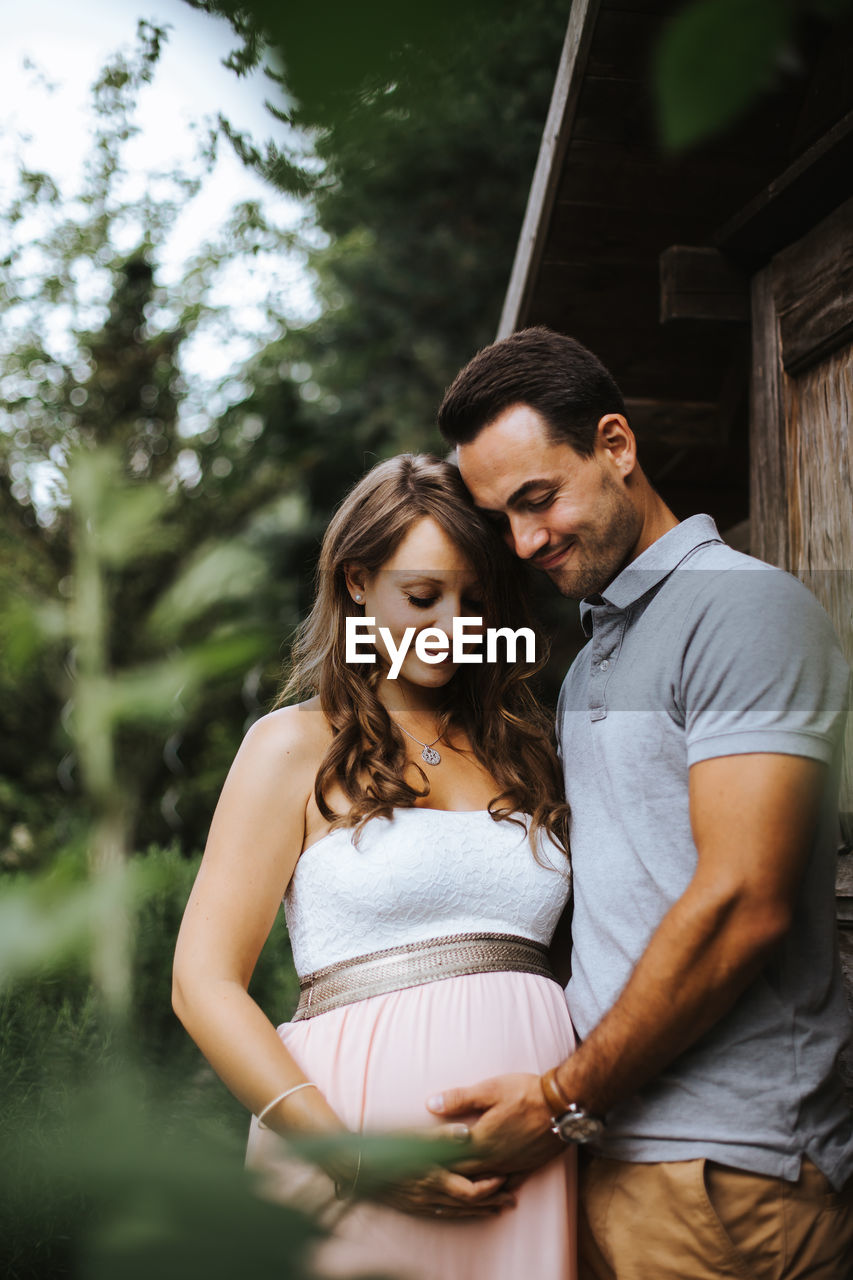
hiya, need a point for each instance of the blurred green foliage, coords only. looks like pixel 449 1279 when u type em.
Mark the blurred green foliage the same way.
pixel 418 170
pixel 149 572
pixel 102 1130
pixel 715 59
pixel 113 1190
pixel 90 369
pixel 410 272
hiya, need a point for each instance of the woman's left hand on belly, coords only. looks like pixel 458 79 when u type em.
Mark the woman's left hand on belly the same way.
pixel 443 1193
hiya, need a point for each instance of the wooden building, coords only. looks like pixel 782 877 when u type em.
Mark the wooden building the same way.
pixel 718 288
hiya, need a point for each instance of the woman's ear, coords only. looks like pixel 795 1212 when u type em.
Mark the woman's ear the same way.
pixel 356 579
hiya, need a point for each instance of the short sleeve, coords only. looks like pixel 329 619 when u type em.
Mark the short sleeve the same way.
pixel 762 668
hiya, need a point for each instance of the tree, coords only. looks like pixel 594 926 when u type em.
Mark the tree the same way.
pixel 424 129
pixel 410 270
pixel 92 344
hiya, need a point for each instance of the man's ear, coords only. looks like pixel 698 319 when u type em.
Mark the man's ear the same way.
pixel 616 440
pixel 356 580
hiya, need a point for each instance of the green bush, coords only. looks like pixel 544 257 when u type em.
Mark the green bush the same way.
pixel 126 1111
pixel 161 1038
pixel 50 1020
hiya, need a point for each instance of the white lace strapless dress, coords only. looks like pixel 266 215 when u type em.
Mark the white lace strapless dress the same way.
pixel 428 874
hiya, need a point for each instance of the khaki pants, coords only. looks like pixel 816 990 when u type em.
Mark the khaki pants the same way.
pixel 696 1220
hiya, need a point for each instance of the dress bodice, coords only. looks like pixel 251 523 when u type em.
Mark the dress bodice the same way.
pixel 424 873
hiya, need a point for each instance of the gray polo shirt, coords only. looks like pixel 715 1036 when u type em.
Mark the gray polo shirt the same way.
pixel 697 651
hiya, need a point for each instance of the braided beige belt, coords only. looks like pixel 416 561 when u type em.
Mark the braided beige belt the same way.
pixel 415 964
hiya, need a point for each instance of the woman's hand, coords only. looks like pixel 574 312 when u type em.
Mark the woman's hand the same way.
pixel 431 1191
pixel 441 1193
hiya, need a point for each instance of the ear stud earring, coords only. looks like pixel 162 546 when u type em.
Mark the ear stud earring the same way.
pixel 358 599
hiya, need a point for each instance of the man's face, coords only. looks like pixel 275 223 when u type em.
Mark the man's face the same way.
pixel 570 516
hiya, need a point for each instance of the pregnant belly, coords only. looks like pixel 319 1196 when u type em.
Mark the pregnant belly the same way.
pixel 377 1061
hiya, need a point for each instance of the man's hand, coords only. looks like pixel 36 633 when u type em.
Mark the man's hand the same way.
pixel 512 1133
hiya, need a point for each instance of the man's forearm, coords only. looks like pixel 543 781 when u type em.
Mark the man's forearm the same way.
pixel 704 953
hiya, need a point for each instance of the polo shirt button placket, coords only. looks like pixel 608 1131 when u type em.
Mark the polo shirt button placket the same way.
pixel 597 706
pixel 608 631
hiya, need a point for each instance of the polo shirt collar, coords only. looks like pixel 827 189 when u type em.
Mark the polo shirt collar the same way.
pixel 649 569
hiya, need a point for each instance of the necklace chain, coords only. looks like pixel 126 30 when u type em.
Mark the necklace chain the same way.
pixel 429 754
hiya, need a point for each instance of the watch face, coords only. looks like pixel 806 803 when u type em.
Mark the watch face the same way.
pixel 578 1127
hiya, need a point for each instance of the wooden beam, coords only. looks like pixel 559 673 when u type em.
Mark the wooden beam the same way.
pixel 549 164
pixel 700 284
pixel 813 287
pixel 816 183
pixel 678 424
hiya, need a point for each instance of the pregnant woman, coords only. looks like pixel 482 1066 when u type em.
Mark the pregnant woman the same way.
pixel 414 827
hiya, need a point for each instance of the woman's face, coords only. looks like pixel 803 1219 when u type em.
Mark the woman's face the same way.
pixel 426 583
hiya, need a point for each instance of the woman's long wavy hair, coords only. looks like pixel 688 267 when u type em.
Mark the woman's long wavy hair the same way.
pixel 510 733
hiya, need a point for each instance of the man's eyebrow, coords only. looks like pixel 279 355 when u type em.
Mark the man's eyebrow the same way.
pixel 517 494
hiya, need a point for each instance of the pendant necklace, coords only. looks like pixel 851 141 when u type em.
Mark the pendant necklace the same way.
pixel 429 753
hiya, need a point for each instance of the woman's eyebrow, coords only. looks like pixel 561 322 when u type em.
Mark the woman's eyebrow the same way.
pixel 428 579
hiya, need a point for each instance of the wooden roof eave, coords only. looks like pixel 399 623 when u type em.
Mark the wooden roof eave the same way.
pixel 549 164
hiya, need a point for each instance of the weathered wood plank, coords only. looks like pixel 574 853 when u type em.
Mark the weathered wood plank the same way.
pixel 621 233
pixel 813 285
pixel 677 423
pixel 819 441
pixel 698 283
pixel 815 184
pixel 827 97
pixel 819 431
pixel 638 178
pixel 738 536
pixel 555 139
pixel 613 111
pixel 768 489
pixel 624 40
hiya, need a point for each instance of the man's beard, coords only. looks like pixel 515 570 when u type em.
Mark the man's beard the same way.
pixel 605 550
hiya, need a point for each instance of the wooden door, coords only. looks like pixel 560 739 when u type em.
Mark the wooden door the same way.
pixel 801 484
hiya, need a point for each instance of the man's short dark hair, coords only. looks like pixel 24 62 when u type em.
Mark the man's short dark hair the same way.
pixel 550 372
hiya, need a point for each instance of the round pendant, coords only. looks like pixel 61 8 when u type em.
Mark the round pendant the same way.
pixel 430 755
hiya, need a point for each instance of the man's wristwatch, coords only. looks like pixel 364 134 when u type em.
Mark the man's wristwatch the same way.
pixel 569 1121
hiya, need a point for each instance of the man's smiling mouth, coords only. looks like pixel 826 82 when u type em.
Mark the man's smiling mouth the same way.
pixel 551 561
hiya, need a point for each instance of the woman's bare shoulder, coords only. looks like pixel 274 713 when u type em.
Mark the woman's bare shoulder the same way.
pixel 300 732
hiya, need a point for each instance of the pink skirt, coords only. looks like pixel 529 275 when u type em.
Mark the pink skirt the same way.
pixel 377 1061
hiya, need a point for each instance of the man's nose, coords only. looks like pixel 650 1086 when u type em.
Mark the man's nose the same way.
pixel 526 536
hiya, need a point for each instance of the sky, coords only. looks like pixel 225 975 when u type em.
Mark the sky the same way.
pixel 44 116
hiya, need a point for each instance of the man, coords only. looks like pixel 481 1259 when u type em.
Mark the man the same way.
pixel 700 732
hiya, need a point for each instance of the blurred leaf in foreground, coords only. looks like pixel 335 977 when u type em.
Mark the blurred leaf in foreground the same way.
pixel 220 572
pixel 111 1184
pixel 714 58
pixel 116 1182
pixel 45 922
